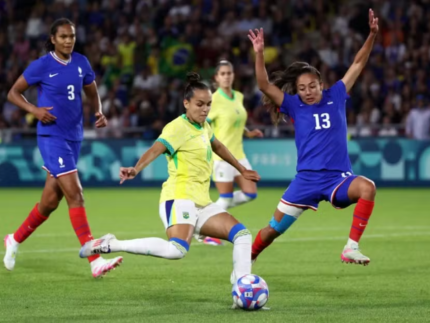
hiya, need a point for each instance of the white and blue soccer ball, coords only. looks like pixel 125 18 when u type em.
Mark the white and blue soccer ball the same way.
pixel 250 292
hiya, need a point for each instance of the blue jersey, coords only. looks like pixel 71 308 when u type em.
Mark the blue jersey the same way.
pixel 321 130
pixel 60 85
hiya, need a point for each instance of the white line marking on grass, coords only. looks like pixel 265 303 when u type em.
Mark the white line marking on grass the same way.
pixel 281 240
pixel 140 234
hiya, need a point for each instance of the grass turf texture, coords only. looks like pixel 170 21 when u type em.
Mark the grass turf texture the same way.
pixel 307 281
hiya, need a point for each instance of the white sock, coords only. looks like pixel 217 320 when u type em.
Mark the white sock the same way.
pixel 155 247
pixel 224 202
pixel 242 255
pixel 351 242
pixel 239 198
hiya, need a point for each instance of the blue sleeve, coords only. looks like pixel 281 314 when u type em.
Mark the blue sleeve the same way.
pixel 89 76
pixel 287 106
pixel 338 91
pixel 34 72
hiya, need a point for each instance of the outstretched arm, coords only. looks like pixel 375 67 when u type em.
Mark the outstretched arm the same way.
pixel 226 155
pixel 148 157
pixel 362 56
pixel 272 91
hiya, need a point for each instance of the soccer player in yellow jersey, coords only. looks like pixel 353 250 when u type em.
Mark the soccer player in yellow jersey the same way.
pixel 185 206
pixel 228 119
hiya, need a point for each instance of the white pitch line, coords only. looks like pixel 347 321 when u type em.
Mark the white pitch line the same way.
pixel 161 232
pixel 282 240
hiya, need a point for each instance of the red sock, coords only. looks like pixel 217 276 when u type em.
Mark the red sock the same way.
pixel 30 224
pixel 82 229
pixel 258 246
pixel 362 213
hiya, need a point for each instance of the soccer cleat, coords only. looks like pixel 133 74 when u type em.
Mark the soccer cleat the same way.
pixel 97 246
pixel 101 266
pixel 212 241
pixel 11 250
pixel 351 254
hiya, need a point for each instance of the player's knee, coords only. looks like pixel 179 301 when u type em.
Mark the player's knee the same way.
pixel 367 189
pixel 76 199
pixel 250 196
pixel 239 232
pixel 291 214
pixel 49 205
pixel 178 248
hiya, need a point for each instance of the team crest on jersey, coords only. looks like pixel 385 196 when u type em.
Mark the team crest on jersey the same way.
pixel 185 215
pixel 80 71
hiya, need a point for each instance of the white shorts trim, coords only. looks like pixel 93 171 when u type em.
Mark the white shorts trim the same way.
pixel 223 172
pixel 186 212
pixel 303 206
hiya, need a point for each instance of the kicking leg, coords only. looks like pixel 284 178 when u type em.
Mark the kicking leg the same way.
pixel 51 197
pixel 176 247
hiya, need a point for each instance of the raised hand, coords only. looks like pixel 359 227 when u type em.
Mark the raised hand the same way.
pixel 101 121
pixel 373 22
pixel 251 175
pixel 126 173
pixel 43 115
pixel 257 39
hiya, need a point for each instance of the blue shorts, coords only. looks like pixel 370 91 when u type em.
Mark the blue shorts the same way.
pixel 60 156
pixel 309 188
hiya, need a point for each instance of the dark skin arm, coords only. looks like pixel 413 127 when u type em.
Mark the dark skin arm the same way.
pixel 148 157
pixel 15 96
pixel 94 99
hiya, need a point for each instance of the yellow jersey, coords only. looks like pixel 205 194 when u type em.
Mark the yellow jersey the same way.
pixel 189 161
pixel 228 119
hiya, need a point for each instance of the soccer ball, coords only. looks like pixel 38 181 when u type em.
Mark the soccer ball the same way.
pixel 250 292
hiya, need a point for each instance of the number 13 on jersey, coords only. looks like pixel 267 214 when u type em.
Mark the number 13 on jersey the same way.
pixel 322 121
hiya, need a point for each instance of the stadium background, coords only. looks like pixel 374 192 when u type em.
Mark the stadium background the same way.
pixel 140 50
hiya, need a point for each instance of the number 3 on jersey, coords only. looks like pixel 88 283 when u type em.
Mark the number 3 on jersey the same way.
pixel 325 121
pixel 71 92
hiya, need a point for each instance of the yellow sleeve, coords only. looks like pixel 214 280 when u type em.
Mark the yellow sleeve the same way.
pixel 172 137
pixel 210 131
pixel 213 114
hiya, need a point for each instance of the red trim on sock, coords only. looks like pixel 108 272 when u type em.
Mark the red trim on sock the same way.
pixel 362 212
pixel 34 220
pixel 258 246
pixel 78 217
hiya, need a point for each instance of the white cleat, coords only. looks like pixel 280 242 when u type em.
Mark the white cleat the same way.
pixel 11 250
pixel 97 246
pixel 101 266
pixel 352 255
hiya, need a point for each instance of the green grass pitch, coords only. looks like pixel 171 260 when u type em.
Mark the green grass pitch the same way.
pixel 307 281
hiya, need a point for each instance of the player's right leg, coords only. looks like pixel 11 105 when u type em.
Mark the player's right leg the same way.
pixel 179 218
pixel 51 197
pixel 283 218
pixel 300 195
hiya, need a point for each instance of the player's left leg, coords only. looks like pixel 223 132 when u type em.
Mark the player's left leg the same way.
pixel 215 222
pixel 51 197
pixel 72 190
pixel 362 191
pixel 248 189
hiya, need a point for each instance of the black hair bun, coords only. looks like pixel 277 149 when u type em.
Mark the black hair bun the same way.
pixel 193 77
